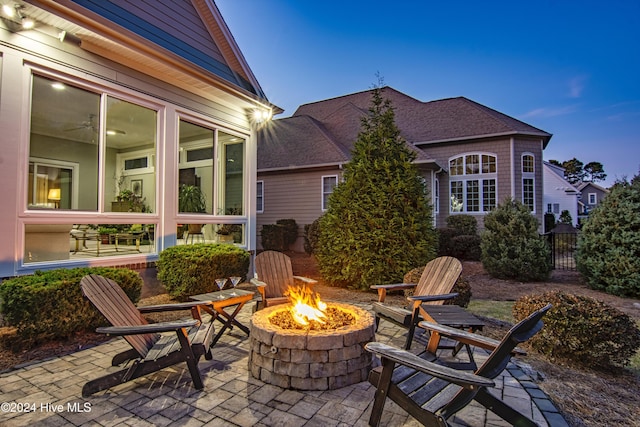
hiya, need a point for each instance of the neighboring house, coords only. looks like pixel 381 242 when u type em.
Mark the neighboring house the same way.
pixel 471 156
pixel 590 196
pixel 559 194
pixel 104 99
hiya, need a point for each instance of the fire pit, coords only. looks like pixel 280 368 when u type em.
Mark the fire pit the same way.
pixel 320 349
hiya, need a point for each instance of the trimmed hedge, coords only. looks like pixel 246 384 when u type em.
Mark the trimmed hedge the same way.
pixel 50 304
pixel 186 270
pixel 581 329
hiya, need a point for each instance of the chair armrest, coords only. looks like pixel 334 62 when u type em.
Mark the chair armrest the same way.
pixel 462 378
pixel 467 337
pixel 306 280
pixel 425 298
pixel 148 329
pixel 394 286
pixel 258 283
pixel 382 289
pixel 170 307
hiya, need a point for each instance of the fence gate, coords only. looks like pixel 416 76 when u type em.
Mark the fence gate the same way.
pixel 563 250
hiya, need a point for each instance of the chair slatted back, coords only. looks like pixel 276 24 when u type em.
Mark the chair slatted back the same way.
pixel 274 269
pixel 439 277
pixel 115 305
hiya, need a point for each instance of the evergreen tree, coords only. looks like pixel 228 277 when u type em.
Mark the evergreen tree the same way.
pixel 378 224
pixel 609 243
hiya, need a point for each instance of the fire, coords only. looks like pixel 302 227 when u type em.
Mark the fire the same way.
pixel 306 305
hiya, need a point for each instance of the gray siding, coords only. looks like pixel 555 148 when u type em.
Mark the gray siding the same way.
pixel 295 195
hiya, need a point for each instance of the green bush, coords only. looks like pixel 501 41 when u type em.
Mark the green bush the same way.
pixel 289 231
pixel 608 254
pixel 186 270
pixel 462 287
pixel 463 224
pixel 466 247
pixel 272 237
pixel 311 236
pixel 511 246
pixel 581 329
pixel 460 239
pixel 50 304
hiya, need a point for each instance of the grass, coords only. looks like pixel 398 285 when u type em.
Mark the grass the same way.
pixel 500 310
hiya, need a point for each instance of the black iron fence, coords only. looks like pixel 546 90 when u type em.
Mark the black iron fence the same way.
pixel 563 250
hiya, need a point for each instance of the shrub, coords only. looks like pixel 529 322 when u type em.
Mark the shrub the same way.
pixel 581 329
pixel 608 254
pixel 289 231
pixel 192 269
pixel 50 304
pixel 466 247
pixel 462 287
pixel 311 236
pixel 511 247
pixel 463 224
pixel 272 237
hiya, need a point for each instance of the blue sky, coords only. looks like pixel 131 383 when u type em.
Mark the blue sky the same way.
pixel 571 68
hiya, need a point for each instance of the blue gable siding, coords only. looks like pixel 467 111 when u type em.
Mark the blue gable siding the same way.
pixel 139 26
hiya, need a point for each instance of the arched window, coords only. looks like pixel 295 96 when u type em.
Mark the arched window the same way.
pixel 528 181
pixel 473 178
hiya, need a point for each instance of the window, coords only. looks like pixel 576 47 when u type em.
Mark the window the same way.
pixel 473 183
pixel 260 196
pixel 198 146
pixel 528 181
pixel 94 145
pixel 328 184
pixel 593 199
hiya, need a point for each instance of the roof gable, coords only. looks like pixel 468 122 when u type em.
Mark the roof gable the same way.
pixel 190 29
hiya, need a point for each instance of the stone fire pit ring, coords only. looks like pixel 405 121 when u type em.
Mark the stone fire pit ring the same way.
pixel 311 360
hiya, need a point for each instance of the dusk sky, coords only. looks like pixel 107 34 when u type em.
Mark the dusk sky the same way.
pixel 570 68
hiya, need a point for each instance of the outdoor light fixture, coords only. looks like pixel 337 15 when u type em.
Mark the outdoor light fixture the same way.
pixel 14 14
pixel 261 116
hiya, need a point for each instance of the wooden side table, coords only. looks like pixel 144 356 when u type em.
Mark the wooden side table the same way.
pixel 220 300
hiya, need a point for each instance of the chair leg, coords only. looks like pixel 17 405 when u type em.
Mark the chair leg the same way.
pixel 382 390
pixel 189 357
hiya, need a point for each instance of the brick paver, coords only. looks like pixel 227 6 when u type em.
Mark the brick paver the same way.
pixel 48 393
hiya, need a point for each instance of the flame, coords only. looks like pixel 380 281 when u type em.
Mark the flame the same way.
pixel 306 305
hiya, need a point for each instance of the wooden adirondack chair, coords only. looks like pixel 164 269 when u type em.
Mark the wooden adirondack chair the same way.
pixel 434 287
pixel 432 392
pixel 151 351
pixel 274 275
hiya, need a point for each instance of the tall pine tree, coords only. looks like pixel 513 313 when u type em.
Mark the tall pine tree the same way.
pixel 378 224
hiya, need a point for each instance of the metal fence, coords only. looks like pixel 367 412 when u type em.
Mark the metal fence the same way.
pixel 563 250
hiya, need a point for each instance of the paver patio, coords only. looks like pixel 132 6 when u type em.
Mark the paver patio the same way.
pixel 51 392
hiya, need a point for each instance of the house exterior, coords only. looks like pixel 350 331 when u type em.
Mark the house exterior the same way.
pixel 559 195
pixel 590 196
pixel 471 156
pixel 107 107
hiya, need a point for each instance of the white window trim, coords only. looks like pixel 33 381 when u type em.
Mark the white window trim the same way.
pixel 595 198
pixel 436 195
pixel 75 167
pixel 195 145
pixel 122 157
pixel 528 175
pixel 480 177
pixel 322 192
pixel 260 194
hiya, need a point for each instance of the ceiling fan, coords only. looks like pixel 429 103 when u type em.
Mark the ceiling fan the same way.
pixel 90 125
